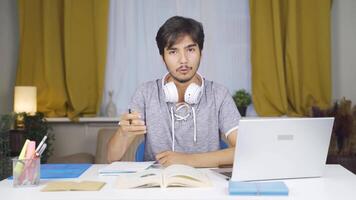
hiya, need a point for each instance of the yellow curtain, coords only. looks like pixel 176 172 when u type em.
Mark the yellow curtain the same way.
pixel 62 52
pixel 290 55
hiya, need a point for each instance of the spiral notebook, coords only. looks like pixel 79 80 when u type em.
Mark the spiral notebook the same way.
pixel 120 167
pixel 276 188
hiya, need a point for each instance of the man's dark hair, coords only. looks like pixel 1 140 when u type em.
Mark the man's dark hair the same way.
pixel 176 27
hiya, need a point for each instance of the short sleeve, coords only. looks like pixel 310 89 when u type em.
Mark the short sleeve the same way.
pixel 138 101
pixel 229 116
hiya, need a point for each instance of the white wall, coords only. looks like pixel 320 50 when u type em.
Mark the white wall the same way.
pixel 8 53
pixel 343 56
pixel 344 49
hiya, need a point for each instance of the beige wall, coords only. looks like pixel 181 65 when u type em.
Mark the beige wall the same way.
pixel 80 137
pixel 8 53
pixel 344 49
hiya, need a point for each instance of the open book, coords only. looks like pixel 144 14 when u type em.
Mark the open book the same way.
pixel 172 176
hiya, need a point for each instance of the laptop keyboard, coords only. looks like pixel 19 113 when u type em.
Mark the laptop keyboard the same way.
pixel 228 174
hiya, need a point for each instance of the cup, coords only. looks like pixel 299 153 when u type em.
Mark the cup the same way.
pixel 26 172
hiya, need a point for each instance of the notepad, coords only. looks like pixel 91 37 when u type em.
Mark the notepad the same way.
pixel 73 186
pixel 117 168
pixel 53 171
pixel 277 188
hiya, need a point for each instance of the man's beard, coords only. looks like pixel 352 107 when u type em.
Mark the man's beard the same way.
pixel 180 80
pixel 186 79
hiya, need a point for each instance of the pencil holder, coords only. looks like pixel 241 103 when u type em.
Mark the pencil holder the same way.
pixel 26 172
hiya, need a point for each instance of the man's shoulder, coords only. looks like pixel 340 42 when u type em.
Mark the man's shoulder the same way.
pixel 148 85
pixel 145 90
pixel 216 88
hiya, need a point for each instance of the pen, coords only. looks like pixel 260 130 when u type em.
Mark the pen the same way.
pixel 41 143
pixel 41 150
pixel 130 120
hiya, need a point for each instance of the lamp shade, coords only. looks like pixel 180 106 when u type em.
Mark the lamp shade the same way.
pixel 25 99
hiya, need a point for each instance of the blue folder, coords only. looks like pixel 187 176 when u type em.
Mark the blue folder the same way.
pixel 277 188
pixel 53 171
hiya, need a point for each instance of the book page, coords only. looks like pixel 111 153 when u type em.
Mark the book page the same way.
pixel 147 178
pixel 184 176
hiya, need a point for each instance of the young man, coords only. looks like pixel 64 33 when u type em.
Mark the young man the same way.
pixel 181 114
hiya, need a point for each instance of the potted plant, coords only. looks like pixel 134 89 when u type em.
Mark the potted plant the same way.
pixel 242 100
pixel 36 127
pixel 342 149
pixel 5 159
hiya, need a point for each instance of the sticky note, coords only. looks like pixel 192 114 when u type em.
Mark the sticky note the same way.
pixel 31 147
pixel 19 165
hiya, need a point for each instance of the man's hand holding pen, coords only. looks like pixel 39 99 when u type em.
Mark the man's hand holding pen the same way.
pixel 132 124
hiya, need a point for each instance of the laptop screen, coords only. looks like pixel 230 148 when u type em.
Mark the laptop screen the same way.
pixel 278 148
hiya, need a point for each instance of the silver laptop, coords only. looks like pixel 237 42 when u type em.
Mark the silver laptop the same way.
pixel 279 148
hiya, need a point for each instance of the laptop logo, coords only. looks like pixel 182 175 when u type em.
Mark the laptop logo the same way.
pixel 284 137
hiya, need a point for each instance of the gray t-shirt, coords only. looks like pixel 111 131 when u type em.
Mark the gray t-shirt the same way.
pixel 215 114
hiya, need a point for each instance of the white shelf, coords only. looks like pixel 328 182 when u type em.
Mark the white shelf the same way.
pixel 83 119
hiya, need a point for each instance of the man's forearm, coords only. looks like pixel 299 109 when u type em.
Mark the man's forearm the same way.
pixel 118 145
pixel 213 159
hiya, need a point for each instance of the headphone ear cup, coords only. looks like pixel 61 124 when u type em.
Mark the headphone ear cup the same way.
pixel 170 92
pixel 192 93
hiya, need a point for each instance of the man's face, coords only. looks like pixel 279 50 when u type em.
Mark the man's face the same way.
pixel 182 59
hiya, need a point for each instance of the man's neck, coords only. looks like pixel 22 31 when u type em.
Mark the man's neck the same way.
pixel 182 87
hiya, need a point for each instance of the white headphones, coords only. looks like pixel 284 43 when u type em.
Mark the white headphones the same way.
pixel 191 95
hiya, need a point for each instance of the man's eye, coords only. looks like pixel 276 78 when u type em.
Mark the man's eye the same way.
pixel 191 49
pixel 172 52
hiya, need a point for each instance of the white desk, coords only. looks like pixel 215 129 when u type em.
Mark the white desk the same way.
pixel 337 183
